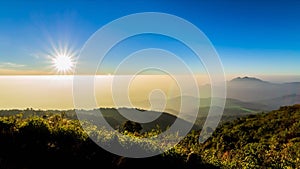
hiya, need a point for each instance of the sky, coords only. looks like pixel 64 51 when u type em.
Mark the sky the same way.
pixel 259 38
pixel 252 38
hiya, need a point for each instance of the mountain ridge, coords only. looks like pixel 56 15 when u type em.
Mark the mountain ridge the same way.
pixel 251 89
pixel 247 79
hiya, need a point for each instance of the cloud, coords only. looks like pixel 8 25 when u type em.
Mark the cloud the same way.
pixel 10 65
pixel 23 72
pixel 10 68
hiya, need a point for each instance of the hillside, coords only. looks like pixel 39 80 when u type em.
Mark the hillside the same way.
pixel 112 116
pixel 286 100
pixel 55 141
pixel 230 103
pixel 233 108
pixel 115 119
pixel 270 140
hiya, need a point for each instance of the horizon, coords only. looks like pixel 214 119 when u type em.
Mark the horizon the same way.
pixel 38 44
pixel 55 91
pixel 268 78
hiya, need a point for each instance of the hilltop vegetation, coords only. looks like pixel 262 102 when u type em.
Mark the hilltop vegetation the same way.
pixel 111 115
pixel 56 140
pixel 270 140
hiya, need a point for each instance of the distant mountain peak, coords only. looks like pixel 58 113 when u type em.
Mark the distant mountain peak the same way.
pixel 246 79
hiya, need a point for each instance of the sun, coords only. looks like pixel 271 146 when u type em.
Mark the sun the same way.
pixel 63 60
pixel 63 63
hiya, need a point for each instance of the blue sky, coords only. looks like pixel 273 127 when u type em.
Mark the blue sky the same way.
pixel 252 37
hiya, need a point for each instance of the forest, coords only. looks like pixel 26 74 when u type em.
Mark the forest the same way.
pixel 55 139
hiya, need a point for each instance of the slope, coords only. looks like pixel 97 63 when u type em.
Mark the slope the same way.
pixel 268 140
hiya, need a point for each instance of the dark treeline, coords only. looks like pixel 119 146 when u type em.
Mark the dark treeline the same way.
pixel 54 139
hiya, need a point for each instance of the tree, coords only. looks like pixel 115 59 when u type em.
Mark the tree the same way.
pixel 131 126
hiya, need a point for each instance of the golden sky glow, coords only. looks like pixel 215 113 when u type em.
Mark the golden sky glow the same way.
pixel 55 92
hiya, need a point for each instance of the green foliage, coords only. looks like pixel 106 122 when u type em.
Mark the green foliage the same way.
pixel 53 139
pixel 131 126
pixel 258 141
pixel 267 140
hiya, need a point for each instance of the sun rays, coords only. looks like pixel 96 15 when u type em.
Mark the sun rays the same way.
pixel 63 59
pixel 63 63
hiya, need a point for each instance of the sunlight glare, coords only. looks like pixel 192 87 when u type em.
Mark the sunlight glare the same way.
pixel 63 63
pixel 62 59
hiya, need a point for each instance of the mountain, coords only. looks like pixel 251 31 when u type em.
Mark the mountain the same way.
pixel 233 109
pixel 275 103
pixel 115 119
pixel 229 103
pixel 247 79
pixel 266 140
pixel 251 89
pixel 112 116
pixel 55 141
